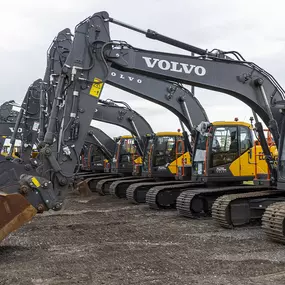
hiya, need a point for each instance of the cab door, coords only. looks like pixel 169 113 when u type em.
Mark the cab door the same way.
pixel 223 151
pixel 246 156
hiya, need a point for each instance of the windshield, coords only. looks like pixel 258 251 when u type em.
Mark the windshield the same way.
pixel 200 151
pixel 128 146
pixel 147 154
pixel 164 150
pixel 225 146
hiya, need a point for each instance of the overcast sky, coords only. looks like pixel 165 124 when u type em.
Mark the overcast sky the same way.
pixel 254 28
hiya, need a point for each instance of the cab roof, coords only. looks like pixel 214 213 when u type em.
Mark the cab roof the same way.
pixel 161 134
pixel 127 137
pixel 232 123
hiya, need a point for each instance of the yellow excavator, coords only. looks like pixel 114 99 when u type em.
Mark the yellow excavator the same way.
pixel 225 153
pixel 126 155
pixel 160 161
pixel 126 158
pixel 226 157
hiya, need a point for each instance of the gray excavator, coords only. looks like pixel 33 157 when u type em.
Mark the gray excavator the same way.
pixel 97 150
pixel 93 58
pixel 111 112
pixel 216 71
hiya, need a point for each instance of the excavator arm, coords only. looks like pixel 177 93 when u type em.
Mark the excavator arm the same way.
pixel 22 200
pixel 7 114
pixel 101 140
pixel 29 117
pixel 242 80
pixel 109 112
pixel 8 117
pixel 168 94
pixel 56 57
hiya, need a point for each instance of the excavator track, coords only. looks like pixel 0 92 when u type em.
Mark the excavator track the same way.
pixel 164 197
pixel 136 193
pixel 197 203
pixel 118 188
pixel 273 221
pixel 92 181
pixel 102 186
pixel 234 210
pixel 90 175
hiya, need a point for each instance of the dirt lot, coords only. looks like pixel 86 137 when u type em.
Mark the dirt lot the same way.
pixel 103 240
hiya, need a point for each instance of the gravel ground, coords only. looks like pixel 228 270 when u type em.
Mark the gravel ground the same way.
pixel 103 240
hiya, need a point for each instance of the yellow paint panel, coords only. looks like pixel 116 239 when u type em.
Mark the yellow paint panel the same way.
pixel 96 88
pixel 178 162
pixel 235 166
pixel 138 160
pixel 36 182
pixel 245 166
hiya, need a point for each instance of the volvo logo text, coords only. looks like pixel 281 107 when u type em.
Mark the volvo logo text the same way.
pixel 175 66
pixel 20 130
pixel 123 77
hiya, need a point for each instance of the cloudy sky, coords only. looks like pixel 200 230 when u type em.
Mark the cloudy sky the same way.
pixel 254 28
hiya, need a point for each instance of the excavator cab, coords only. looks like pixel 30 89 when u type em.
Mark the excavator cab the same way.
pixel 167 154
pixel 126 155
pixel 92 158
pixel 145 169
pixel 226 150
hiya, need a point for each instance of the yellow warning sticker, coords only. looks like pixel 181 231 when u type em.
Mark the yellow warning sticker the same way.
pixel 96 87
pixel 36 182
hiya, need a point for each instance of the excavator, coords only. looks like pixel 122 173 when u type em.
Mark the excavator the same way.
pixel 225 155
pixel 98 149
pixel 168 192
pixel 164 153
pixel 95 59
pixel 108 111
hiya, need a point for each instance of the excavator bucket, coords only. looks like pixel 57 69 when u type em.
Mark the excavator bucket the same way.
pixel 83 188
pixel 15 211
